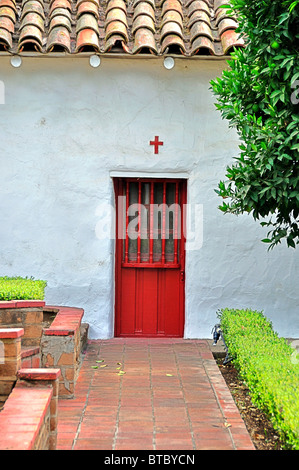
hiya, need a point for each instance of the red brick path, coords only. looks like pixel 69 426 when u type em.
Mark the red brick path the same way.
pixel 171 396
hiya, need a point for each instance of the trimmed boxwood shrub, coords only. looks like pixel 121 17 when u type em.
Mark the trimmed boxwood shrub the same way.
pixel 268 365
pixel 19 288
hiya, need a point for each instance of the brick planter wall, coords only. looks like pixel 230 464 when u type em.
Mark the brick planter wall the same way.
pixel 30 357
pixel 24 314
pixel 10 360
pixel 28 420
pixel 29 394
pixel 61 347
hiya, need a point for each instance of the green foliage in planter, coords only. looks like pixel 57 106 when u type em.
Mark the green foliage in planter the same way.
pixel 18 288
pixel 259 95
pixel 268 365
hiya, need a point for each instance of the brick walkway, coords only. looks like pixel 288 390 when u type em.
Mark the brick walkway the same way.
pixel 170 396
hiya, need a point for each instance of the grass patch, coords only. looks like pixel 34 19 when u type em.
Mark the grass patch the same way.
pixel 20 288
pixel 268 365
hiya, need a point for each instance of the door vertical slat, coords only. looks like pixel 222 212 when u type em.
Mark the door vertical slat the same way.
pixel 151 222
pixel 163 222
pixel 176 222
pixel 139 281
pixel 127 192
pixel 139 223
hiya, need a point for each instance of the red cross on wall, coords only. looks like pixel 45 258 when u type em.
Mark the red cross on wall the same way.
pixel 156 143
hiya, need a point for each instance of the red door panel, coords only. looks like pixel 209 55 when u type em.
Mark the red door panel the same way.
pixel 150 258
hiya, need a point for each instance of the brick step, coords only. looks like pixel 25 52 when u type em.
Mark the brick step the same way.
pixel 28 420
pixel 25 419
pixel 30 357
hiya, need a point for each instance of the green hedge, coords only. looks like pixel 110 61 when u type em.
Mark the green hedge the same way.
pixel 19 288
pixel 268 365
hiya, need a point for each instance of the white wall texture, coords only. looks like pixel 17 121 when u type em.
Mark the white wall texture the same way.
pixel 65 127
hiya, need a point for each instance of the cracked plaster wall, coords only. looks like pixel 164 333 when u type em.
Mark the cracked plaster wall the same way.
pixel 53 349
pixel 65 127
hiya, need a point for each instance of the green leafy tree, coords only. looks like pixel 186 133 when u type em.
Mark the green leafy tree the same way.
pixel 259 95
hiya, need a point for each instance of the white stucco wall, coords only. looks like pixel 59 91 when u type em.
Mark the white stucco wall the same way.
pixel 66 127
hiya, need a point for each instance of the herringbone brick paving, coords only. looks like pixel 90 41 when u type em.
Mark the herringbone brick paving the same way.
pixel 150 394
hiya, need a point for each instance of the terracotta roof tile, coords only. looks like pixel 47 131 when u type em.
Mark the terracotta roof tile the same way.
pixel 169 5
pixel 5 39
pixel 8 16
pixel 144 8
pixel 144 39
pixel 60 20
pixel 59 39
pixel 87 21
pixel 143 21
pixel 8 12
pixel 30 35
pixel 33 6
pixel 186 27
pixel 173 42
pixel 87 7
pixel 7 24
pixel 87 39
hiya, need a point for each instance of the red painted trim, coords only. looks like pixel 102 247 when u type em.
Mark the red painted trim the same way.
pixel 11 332
pixel 21 303
pixel 39 374
pixel 29 303
pixel 150 265
pixel 59 331
pixel 150 180
pixel 127 259
pixel 118 191
pixel 29 351
pixel 66 322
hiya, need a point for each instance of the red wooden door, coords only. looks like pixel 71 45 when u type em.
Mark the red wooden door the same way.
pixel 150 257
